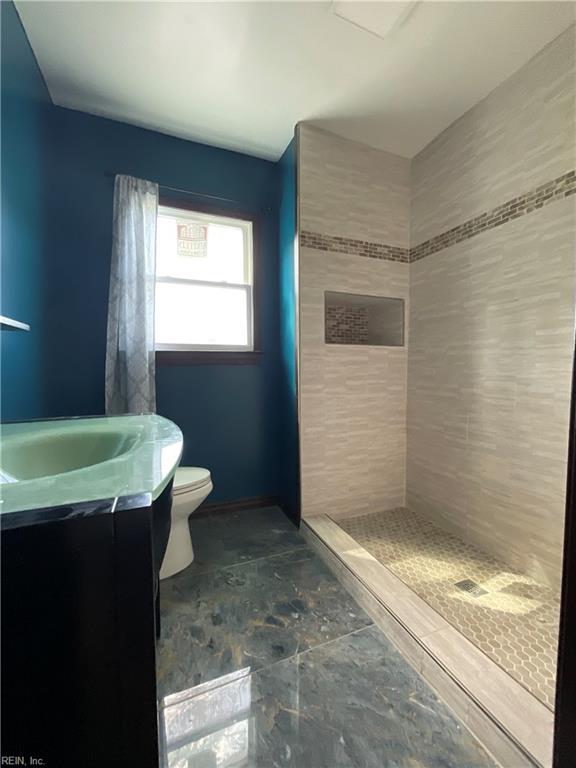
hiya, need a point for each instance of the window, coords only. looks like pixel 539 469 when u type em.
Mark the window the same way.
pixel 204 282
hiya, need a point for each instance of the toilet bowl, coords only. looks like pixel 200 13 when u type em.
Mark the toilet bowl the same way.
pixel 191 486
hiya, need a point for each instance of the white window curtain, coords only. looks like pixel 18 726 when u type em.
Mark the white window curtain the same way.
pixel 130 368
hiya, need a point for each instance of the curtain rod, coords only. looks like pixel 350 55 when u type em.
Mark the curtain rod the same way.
pixel 112 175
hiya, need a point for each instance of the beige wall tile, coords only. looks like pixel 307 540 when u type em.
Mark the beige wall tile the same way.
pixel 351 190
pixel 491 321
pixel 352 398
pixel 491 339
pixel 521 135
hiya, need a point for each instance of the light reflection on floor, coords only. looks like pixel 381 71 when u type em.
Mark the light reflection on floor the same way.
pixel 209 726
pixel 265 660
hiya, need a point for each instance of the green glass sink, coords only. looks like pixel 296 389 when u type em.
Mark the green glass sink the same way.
pixel 67 461
pixel 25 457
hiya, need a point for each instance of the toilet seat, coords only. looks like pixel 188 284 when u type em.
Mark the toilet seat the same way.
pixel 189 479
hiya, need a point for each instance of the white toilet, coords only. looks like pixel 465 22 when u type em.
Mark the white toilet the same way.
pixel 191 486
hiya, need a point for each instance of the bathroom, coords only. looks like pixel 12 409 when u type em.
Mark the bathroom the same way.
pixel 371 465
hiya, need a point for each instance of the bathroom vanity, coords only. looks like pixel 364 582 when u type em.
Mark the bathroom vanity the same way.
pixel 85 517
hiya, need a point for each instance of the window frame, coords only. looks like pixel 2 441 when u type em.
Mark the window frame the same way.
pixel 220 356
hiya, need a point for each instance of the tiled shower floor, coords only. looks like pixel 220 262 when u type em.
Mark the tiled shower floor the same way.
pixel 515 623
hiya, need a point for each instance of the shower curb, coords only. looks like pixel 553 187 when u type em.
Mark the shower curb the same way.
pixel 494 733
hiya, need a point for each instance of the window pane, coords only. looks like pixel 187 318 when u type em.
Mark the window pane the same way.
pixel 193 247
pixel 202 315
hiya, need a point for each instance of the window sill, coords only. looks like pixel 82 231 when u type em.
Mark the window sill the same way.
pixel 179 357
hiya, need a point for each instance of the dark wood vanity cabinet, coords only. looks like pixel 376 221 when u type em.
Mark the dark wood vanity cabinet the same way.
pixel 79 602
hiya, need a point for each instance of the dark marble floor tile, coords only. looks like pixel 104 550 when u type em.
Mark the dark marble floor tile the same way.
pixel 248 616
pixel 238 537
pixel 354 702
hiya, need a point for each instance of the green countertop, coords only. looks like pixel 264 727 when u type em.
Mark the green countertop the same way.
pixel 69 461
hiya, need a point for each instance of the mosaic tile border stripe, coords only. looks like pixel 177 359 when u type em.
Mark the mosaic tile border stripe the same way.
pixel 354 247
pixel 512 209
pixel 558 188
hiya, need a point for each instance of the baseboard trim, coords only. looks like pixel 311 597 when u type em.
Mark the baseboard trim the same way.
pixel 238 505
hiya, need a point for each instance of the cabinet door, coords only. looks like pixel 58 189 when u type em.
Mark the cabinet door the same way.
pixel 58 642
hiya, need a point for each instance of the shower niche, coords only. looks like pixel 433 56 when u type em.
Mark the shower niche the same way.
pixel 351 318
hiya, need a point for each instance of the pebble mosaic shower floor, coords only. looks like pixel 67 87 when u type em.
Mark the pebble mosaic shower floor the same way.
pixel 515 622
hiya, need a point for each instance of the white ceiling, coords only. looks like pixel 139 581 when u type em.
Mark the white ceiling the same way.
pixel 241 75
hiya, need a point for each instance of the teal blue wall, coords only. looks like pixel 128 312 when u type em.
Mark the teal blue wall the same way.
pixel 24 104
pixel 290 465
pixel 229 414
pixel 56 242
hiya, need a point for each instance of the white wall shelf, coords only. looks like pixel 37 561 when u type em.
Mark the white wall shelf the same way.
pixel 9 324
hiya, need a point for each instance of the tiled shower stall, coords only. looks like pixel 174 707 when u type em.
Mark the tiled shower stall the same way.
pixel 444 457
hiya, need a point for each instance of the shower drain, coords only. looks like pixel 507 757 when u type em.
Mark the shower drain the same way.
pixel 467 585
